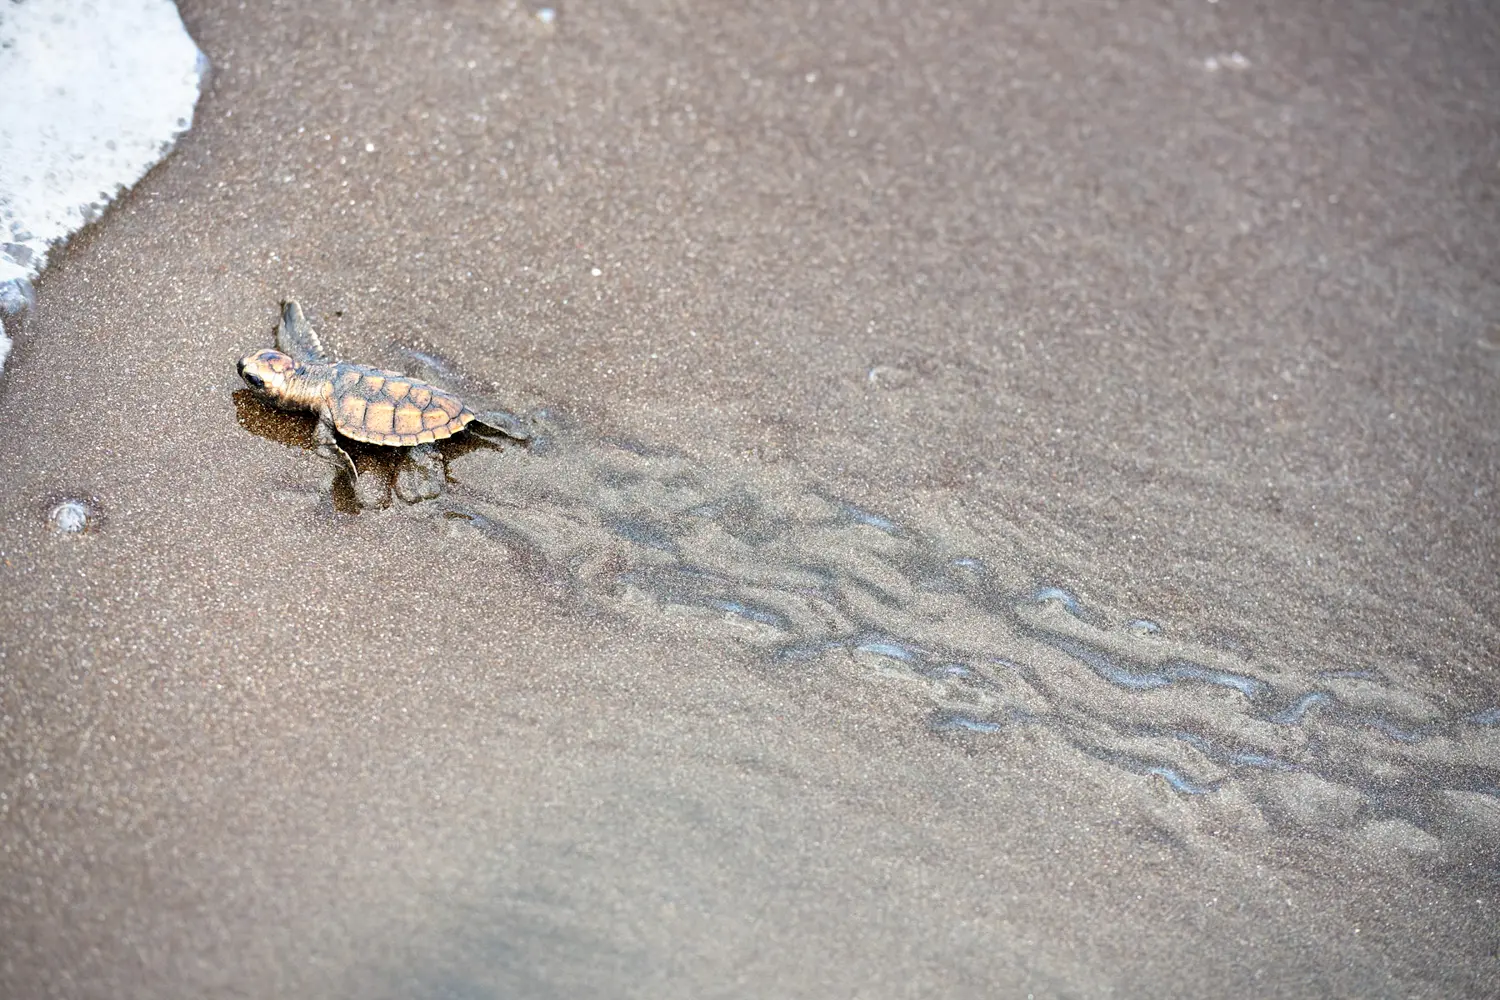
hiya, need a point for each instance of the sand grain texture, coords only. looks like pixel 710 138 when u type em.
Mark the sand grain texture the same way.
pixel 818 300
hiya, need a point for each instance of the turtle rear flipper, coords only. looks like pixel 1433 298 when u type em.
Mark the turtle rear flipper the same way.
pixel 509 424
pixel 295 336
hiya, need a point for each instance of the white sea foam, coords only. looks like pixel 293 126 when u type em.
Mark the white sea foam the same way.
pixel 92 94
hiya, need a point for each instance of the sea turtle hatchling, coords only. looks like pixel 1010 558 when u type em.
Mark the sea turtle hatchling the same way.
pixel 363 403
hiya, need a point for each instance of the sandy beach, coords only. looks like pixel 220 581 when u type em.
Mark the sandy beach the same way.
pixel 1015 513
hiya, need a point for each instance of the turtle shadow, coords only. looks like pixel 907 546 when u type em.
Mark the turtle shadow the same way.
pixel 294 430
pixel 378 466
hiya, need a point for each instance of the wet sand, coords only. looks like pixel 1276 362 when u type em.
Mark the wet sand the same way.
pixel 1017 514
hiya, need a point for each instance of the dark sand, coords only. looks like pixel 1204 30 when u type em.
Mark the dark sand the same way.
pixel 740 687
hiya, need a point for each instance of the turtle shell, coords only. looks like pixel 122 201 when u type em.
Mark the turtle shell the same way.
pixel 384 407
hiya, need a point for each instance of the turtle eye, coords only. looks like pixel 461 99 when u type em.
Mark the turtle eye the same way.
pixel 256 382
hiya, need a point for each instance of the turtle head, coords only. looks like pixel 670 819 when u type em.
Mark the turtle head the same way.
pixel 270 374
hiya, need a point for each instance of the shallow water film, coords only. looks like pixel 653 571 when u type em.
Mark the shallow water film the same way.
pixel 1012 513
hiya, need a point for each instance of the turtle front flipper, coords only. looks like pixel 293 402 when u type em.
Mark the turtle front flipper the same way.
pixel 328 447
pixel 509 424
pixel 296 337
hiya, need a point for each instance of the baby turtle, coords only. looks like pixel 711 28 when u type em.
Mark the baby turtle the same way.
pixel 361 402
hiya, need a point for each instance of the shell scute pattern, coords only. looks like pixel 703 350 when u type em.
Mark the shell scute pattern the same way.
pixel 383 407
pixel 380 418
